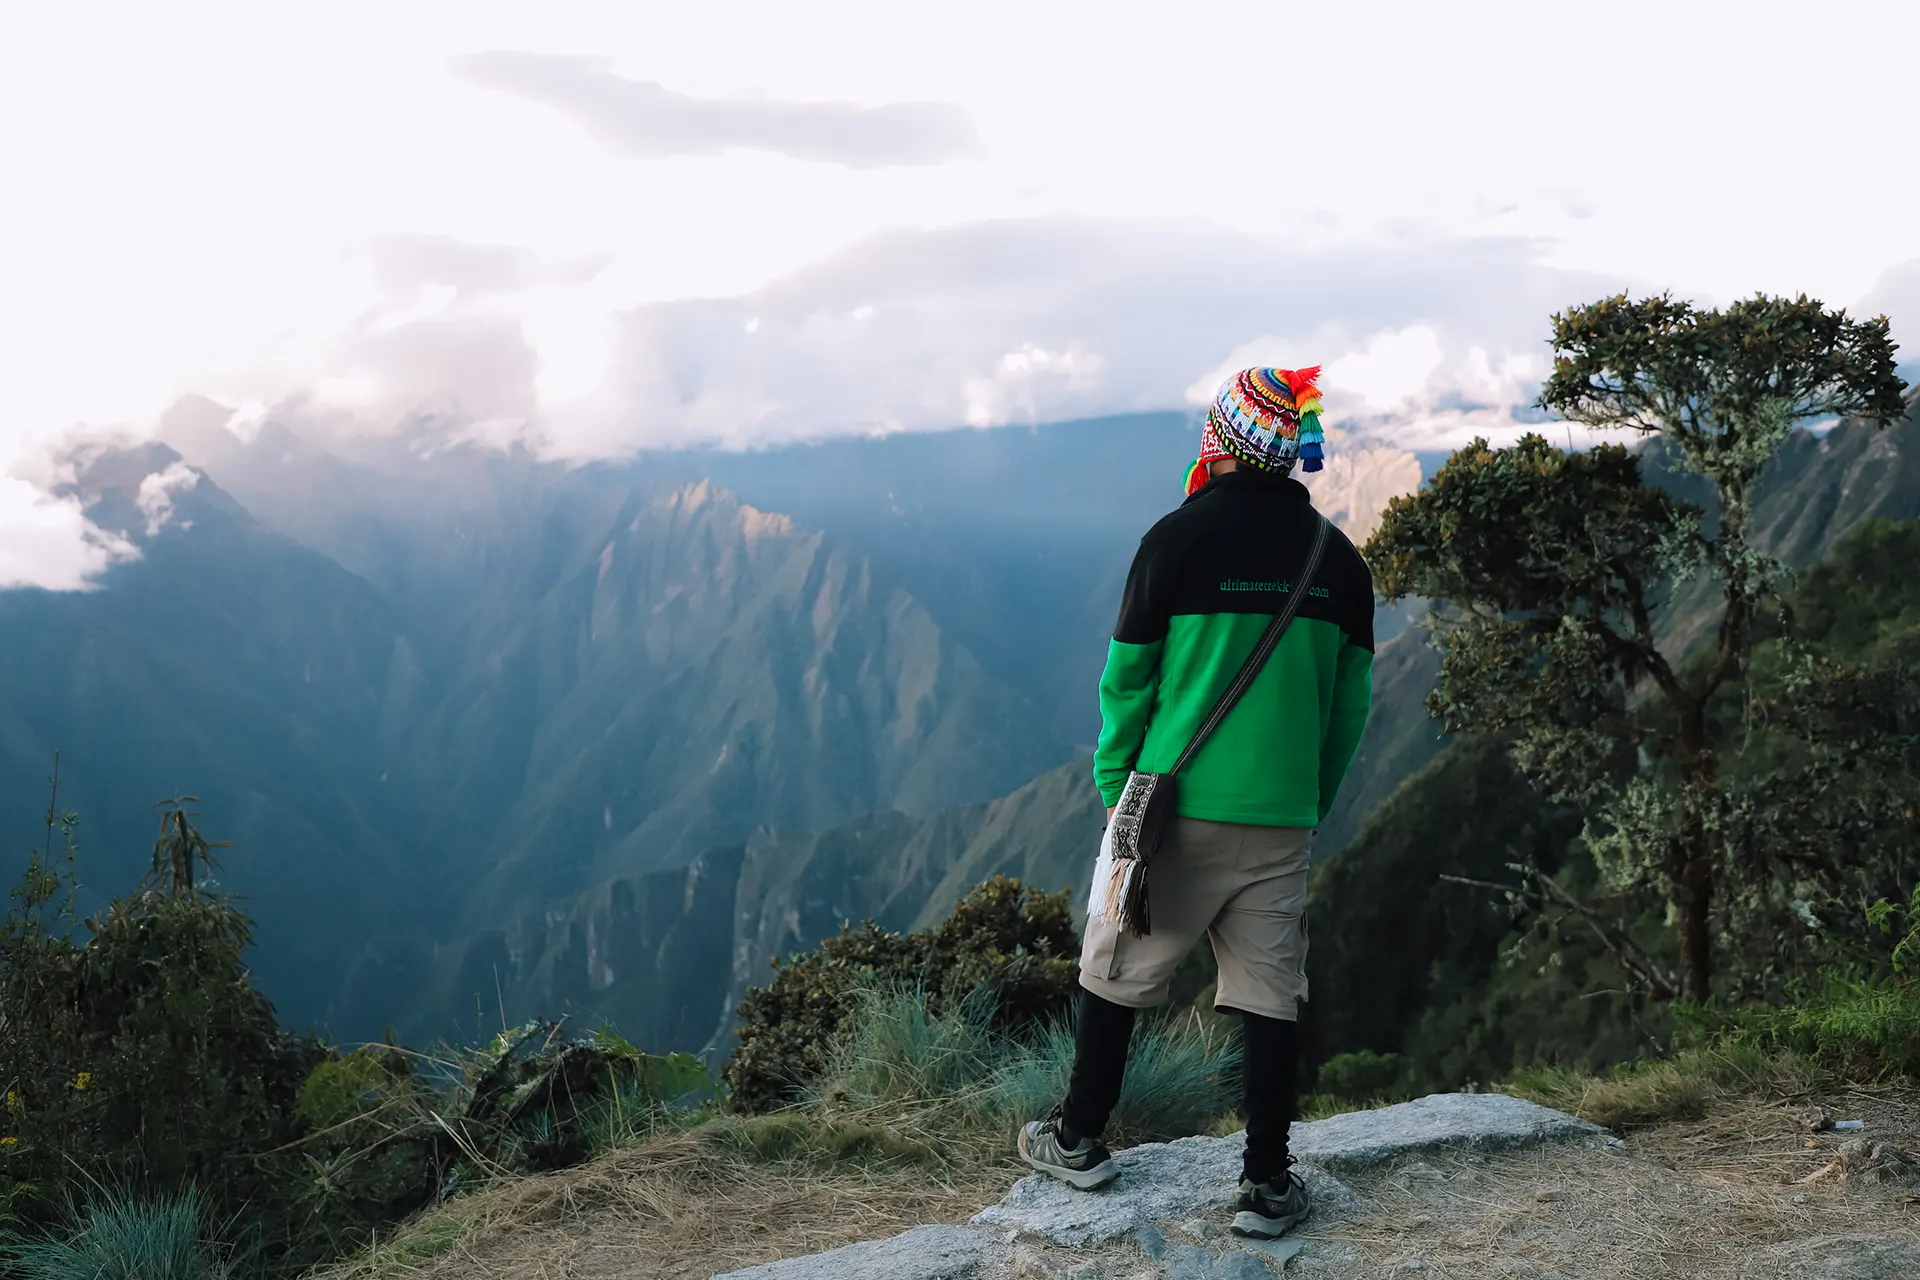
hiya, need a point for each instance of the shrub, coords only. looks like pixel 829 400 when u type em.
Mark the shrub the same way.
pixel 1861 1030
pixel 1903 924
pixel 1683 1087
pixel 1364 1077
pixel 390 1141
pixel 143 1058
pixel 1015 942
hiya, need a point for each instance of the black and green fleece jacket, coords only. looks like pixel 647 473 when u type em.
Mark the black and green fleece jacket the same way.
pixel 1205 583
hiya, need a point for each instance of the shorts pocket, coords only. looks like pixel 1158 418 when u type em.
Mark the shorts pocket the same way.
pixel 1100 952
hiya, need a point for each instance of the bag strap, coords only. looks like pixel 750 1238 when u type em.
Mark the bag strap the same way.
pixel 1269 640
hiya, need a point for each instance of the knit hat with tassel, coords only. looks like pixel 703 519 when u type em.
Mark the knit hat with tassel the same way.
pixel 1266 419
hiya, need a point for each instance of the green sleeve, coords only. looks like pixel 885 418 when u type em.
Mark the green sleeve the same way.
pixel 1127 688
pixel 1352 699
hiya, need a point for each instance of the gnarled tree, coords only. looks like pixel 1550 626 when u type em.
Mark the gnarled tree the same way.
pixel 1545 566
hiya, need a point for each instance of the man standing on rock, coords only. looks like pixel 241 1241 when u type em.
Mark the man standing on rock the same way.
pixel 1207 582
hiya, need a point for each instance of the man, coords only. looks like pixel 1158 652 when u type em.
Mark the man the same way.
pixel 1233 865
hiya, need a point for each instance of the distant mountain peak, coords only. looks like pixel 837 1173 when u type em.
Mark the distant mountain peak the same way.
pixel 138 490
pixel 695 495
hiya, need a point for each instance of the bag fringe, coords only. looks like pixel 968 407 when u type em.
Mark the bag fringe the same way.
pixel 1134 919
pixel 1113 905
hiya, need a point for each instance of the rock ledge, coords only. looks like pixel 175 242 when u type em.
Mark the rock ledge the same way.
pixel 1193 1178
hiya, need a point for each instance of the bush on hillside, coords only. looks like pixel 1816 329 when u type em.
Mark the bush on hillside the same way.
pixel 136 1055
pixel 1466 991
pixel 1004 938
pixel 1861 1022
pixel 143 1057
pixel 1363 1076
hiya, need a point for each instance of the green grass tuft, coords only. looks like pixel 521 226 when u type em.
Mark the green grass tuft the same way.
pixel 949 1071
pixel 898 1053
pixel 798 1136
pixel 1179 1081
pixel 121 1238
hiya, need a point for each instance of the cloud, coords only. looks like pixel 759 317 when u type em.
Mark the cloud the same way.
pixel 646 119
pixel 1425 342
pixel 155 498
pixel 1012 388
pixel 1896 295
pixel 1046 319
pixel 48 543
pixel 403 265
pixel 474 368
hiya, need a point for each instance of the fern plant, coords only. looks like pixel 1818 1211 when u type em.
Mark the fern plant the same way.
pixel 1888 917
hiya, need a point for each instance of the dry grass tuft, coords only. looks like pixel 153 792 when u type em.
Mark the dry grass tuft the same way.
pixel 1687 1087
pixel 1716 1196
pixel 674 1207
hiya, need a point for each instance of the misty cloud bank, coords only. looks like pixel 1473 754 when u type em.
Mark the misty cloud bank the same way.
pixel 1019 322
pixel 647 120
pixel 1425 344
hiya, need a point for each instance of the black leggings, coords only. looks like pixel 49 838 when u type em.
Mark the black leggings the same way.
pixel 1271 1080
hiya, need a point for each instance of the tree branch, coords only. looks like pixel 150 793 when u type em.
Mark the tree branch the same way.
pixel 1627 953
pixel 1657 666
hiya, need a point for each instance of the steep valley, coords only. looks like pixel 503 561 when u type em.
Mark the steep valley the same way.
pixel 608 674
pixel 498 738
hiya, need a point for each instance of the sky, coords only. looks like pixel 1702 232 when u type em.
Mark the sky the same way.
pixel 610 227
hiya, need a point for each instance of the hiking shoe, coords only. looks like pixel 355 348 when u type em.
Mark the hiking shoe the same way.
pixel 1086 1166
pixel 1267 1210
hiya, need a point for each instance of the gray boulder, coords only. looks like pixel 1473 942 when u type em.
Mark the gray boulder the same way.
pixel 1195 1177
pixel 924 1253
pixel 1159 1182
pixel 1842 1258
pixel 1475 1122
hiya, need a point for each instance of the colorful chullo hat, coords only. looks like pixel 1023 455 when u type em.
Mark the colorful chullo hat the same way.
pixel 1267 419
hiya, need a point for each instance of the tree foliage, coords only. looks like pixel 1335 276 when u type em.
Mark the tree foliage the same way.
pixel 1823 768
pixel 1547 567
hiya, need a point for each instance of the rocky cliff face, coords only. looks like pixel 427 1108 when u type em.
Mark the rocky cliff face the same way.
pixel 667 955
pixel 426 697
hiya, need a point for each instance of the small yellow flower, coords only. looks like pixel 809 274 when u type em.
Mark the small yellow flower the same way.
pixel 9 1142
pixel 82 1080
pixel 13 1100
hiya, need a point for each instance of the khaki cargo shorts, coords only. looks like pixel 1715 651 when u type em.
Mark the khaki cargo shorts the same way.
pixel 1246 889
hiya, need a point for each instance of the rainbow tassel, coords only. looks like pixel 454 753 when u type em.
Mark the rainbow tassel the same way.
pixel 1306 399
pixel 1197 477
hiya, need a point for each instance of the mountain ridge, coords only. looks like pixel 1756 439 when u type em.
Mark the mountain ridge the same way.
pixel 651 670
